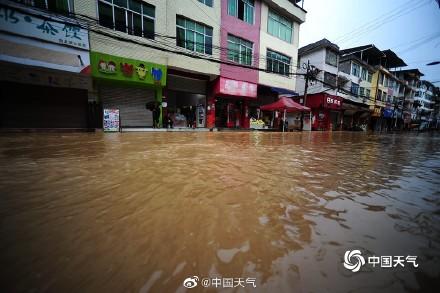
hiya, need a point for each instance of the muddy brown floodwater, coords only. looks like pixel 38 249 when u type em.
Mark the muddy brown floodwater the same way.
pixel 140 212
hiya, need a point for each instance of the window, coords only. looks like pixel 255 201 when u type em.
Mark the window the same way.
pixel 129 16
pixel 354 89
pixel 369 76
pixel 379 95
pixel 278 63
pixel 193 36
pixel 355 69
pixel 384 96
pixel 363 73
pixel 206 2
pixel 242 9
pixel 239 50
pixel 361 91
pixel 331 58
pixel 381 78
pixel 367 93
pixel 329 79
pixel 58 6
pixel 279 26
pixel 389 99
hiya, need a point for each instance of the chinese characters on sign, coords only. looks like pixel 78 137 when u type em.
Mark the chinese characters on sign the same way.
pixel 333 101
pixel 237 88
pixel 216 282
pixel 16 22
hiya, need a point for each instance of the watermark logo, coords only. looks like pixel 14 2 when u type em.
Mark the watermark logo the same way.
pixel 353 260
pixel 190 282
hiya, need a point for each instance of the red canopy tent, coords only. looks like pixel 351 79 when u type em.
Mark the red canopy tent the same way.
pixel 285 104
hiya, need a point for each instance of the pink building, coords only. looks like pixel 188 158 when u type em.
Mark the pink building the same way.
pixel 236 85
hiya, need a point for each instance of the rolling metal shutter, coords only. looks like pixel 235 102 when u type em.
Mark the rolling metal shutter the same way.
pixel 131 104
pixel 34 106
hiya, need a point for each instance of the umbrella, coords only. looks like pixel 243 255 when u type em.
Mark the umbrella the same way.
pixel 150 105
pixel 285 104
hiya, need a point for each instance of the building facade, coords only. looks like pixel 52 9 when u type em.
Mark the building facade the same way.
pixel 322 97
pixel 183 63
pixel 44 67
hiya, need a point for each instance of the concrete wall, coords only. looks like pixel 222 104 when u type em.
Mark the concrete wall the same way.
pixel 165 24
pixel 268 41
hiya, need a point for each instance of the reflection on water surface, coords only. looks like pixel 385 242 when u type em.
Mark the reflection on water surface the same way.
pixel 138 212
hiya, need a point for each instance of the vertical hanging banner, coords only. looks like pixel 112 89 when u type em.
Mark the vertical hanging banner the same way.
pixel 111 120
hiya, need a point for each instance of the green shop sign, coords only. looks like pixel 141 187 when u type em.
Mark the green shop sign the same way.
pixel 128 70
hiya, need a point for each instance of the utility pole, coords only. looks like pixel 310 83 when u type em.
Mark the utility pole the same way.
pixel 305 91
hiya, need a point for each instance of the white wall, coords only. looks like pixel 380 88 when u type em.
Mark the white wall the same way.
pixel 268 41
pixel 165 24
pixel 316 58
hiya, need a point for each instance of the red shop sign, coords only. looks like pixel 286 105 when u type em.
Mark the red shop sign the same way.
pixel 332 102
pixel 236 88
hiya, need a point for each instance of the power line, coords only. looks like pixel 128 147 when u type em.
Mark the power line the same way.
pixel 386 19
pixel 166 48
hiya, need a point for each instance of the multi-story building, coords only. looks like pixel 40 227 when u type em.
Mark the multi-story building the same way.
pixel 358 80
pixel 44 62
pixel 426 101
pixel 411 80
pixel 377 87
pixel 436 114
pixel 202 63
pixel 357 65
pixel 323 97
pixel 256 34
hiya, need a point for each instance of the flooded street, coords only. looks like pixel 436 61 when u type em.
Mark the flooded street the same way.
pixel 141 212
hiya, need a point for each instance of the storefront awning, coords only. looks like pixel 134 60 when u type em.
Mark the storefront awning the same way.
pixel 281 91
pixel 284 104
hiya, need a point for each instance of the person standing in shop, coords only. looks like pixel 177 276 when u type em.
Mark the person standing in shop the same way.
pixel 156 114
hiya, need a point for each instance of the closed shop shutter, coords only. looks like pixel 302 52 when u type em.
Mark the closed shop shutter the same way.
pixel 131 104
pixel 33 106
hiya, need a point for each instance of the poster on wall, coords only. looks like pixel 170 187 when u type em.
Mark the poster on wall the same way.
pixel 111 120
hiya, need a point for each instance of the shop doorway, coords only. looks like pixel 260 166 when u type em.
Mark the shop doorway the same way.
pixel 228 113
pixel 185 110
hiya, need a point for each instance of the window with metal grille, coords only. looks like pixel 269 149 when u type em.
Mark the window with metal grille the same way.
pixel 279 26
pixel 278 63
pixel 129 16
pixel 193 35
pixel 58 6
pixel 239 50
pixel 242 9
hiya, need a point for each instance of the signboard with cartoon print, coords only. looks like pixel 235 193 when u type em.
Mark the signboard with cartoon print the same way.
pixel 19 22
pixel 111 121
pixel 124 69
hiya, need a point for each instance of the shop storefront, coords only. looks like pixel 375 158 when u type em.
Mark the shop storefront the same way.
pixel 232 98
pixel 185 99
pixel 326 111
pixel 355 115
pixel 44 77
pixel 130 86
